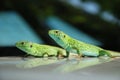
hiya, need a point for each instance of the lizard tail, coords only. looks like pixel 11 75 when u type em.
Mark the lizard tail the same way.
pixel 114 53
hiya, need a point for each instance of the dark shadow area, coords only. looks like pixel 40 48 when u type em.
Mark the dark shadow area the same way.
pixel 103 25
pixel 11 51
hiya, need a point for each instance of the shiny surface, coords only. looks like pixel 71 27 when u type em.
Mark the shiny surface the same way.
pixel 12 68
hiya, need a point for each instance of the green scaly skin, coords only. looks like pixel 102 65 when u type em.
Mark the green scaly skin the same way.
pixel 81 48
pixel 40 50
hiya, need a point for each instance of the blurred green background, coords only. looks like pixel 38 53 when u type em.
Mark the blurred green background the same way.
pixel 93 21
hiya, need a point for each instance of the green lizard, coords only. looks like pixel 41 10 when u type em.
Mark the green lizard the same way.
pixel 81 48
pixel 40 50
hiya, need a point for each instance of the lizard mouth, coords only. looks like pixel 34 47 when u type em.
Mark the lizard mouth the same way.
pixel 51 34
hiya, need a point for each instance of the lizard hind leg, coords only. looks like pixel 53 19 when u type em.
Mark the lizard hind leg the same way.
pixel 103 53
pixel 60 55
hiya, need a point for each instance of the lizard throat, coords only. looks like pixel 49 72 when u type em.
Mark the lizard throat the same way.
pixel 59 41
pixel 62 44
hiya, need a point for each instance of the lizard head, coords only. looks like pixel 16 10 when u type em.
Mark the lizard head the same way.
pixel 26 46
pixel 60 37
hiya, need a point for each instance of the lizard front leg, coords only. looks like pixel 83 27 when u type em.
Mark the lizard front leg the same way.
pixel 45 54
pixel 78 52
pixel 79 55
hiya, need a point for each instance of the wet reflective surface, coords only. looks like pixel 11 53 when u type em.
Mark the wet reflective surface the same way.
pixel 12 68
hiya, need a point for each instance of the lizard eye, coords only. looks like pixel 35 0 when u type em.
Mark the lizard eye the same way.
pixel 22 43
pixel 64 36
pixel 31 46
pixel 56 31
